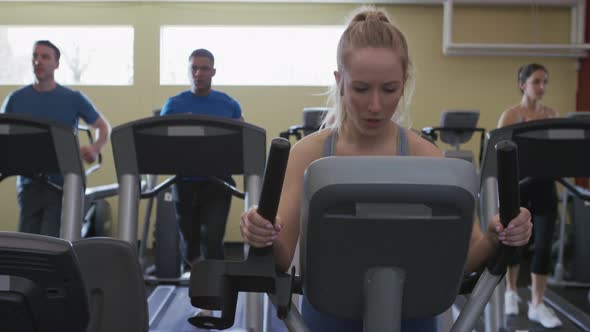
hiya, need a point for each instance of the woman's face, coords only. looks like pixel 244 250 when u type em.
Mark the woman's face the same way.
pixel 372 84
pixel 534 86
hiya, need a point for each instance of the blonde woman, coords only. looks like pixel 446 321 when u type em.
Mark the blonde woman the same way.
pixel 374 71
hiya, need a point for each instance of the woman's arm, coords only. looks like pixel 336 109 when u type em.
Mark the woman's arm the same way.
pixel 482 247
pixel 301 156
pixel 259 232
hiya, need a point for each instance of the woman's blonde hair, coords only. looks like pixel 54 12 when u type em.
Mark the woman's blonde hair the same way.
pixel 370 27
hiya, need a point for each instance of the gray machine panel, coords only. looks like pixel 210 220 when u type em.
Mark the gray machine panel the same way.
pixel 113 278
pixel 365 212
pixel 406 170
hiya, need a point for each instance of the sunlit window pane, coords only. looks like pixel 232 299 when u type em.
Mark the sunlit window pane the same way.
pixel 90 55
pixel 252 55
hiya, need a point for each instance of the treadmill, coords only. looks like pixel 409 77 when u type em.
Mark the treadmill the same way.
pixel 552 149
pixel 580 269
pixel 186 145
pixel 62 284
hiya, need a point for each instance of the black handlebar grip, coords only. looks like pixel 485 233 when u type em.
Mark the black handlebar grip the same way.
pixel 509 198
pixel 274 175
pixel 508 178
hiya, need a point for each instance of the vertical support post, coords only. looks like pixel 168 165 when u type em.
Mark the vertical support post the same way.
pixel 254 309
pixel 384 289
pixel 71 211
pixel 493 315
pixel 128 208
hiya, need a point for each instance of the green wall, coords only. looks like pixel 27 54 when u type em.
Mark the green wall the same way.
pixel 484 83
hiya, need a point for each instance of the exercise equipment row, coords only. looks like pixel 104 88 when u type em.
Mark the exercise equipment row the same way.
pixel 68 277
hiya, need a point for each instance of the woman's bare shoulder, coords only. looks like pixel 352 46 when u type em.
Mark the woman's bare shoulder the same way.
pixel 513 111
pixel 313 141
pixel 422 147
pixel 310 148
pixel 510 116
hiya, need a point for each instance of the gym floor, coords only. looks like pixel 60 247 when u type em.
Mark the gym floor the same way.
pixel 575 295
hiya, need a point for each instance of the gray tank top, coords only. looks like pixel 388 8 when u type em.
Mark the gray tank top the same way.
pixel 402 143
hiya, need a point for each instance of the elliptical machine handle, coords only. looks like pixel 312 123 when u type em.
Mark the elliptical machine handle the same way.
pixel 272 185
pixel 508 191
pixel 509 197
pixel 270 195
pixel 215 284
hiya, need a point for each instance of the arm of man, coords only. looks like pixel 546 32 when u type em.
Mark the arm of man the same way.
pixel 6 105
pixel 238 114
pixel 169 107
pixel 102 131
pixel 87 112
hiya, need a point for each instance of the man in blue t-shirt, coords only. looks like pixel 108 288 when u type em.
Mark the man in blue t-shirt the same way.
pixel 39 200
pixel 201 202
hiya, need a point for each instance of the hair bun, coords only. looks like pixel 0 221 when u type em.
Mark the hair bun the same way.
pixel 371 15
pixel 376 16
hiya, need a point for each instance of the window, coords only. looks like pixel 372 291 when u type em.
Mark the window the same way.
pixel 90 55
pixel 253 55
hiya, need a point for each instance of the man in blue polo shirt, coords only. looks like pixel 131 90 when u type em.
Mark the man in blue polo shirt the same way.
pixel 39 201
pixel 199 201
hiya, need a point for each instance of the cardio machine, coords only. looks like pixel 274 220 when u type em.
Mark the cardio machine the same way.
pixel 131 190
pixel 63 284
pixel 386 210
pixel 187 145
pixel 456 128
pixel 97 283
pixel 97 217
pixel 312 120
pixel 168 264
pixel 580 274
pixel 555 144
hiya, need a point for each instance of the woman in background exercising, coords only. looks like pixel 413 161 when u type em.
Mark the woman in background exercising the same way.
pixel 539 196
